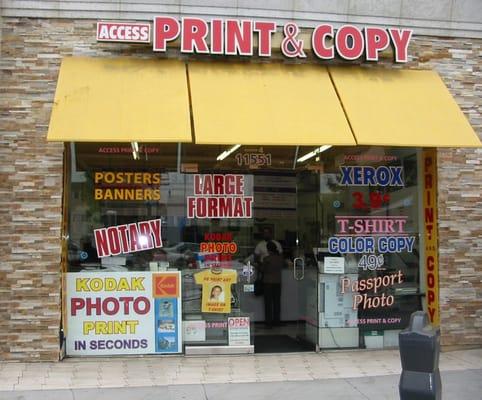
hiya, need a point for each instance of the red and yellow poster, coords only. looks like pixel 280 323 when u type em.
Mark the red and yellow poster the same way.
pixel 216 289
pixel 431 233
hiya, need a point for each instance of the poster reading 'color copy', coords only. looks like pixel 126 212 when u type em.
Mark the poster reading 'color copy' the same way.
pixel 123 313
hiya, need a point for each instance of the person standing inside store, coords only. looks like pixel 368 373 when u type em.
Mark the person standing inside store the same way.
pixel 261 250
pixel 271 269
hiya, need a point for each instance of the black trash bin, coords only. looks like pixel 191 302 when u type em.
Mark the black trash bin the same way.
pixel 419 353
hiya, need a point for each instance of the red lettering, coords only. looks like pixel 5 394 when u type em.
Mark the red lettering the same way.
pixel 213 207
pixel 194 32
pixel 126 301
pixel 134 236
pixel 265 30
pixel 122 229
pixel 400 39
pixel 145 231
pixel 114 306
pixel 428 214
pixel 217 36
pixel 318 42
pixel 101 242
pixel 191 204
pixel 239 184
pixel 219 184
pixel 76 304
pixel 428 181
pixel 166 29
pixel 342 43
pixel 239 37
pixel 248 201
pixel 428 162
pixel 93 304
pixel 142 305
pixel 431 280
pixel 155 226
pixel 376 40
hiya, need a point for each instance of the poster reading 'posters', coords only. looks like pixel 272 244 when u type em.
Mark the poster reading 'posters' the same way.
pixel 123 313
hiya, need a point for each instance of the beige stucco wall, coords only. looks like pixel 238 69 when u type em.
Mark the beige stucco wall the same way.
pixel 31 182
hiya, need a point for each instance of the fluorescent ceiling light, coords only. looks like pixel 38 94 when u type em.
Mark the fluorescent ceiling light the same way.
pixel 135 150
pixel 226 153
pixel 314 152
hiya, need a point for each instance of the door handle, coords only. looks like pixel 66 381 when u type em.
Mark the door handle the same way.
pixel 298 261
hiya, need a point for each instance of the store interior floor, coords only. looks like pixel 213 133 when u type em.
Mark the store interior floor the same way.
pixel 279 339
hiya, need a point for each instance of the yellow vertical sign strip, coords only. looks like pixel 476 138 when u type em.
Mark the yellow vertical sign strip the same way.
pixel 431 234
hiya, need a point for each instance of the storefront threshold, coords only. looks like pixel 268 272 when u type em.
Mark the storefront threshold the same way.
pixel 208 350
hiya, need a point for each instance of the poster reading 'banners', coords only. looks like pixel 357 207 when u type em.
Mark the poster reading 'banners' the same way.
pixel 123 313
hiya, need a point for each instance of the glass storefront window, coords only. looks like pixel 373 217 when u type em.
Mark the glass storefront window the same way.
pixel 344 220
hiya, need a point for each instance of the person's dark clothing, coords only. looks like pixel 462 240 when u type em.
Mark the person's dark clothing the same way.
pixel 272 303
pixel 271 269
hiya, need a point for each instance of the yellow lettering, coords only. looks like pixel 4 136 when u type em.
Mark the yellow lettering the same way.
pixel 137 283
pixel 123 284
pixel 98 177
pixel 98 194
pixel 110 327
pixel 108 194
pixel 81 285
pixel 88 326
pixel 96 285
pixel 110 284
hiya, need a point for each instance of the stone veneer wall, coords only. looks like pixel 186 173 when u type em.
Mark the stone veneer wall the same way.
pixel 459 63
pixel 31 182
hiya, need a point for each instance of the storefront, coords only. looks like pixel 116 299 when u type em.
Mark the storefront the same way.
pixel 222 198
pixel 271 213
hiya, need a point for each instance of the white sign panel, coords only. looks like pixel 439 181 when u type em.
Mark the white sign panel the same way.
pixel 123 313
pixel 194 331
pixel 238 331
pixel 334 265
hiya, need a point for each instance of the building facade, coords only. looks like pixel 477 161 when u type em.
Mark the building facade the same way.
pixel 36 174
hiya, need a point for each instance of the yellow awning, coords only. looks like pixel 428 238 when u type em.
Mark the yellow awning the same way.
pixel 121 100
pixel 265 104
pixel 395 107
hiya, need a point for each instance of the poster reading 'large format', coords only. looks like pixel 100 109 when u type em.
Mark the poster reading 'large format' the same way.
pixel 123 313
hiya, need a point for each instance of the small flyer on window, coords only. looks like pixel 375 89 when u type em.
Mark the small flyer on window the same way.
pixel 238 331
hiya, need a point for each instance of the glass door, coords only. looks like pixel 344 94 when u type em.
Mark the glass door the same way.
pixel 305 265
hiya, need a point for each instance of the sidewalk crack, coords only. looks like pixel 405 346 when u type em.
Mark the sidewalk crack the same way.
pixel 204 392
pixel 358 390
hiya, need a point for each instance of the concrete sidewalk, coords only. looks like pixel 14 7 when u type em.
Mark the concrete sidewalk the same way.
pixel 459 385
pixel 361 374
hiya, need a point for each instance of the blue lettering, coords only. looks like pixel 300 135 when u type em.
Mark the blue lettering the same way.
pixel 395 244
pixel 397 179
pixel 346 176
pixel 383 176
pixel 357 175
pixel 371 176
pixel 351 244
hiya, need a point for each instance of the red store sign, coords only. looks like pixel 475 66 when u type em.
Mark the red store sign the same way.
pixel 233 37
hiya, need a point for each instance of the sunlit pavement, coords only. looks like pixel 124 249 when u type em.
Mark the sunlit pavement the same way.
pixel 370 374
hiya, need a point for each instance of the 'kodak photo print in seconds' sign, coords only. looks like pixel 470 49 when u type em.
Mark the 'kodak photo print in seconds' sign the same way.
pixel 123 313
